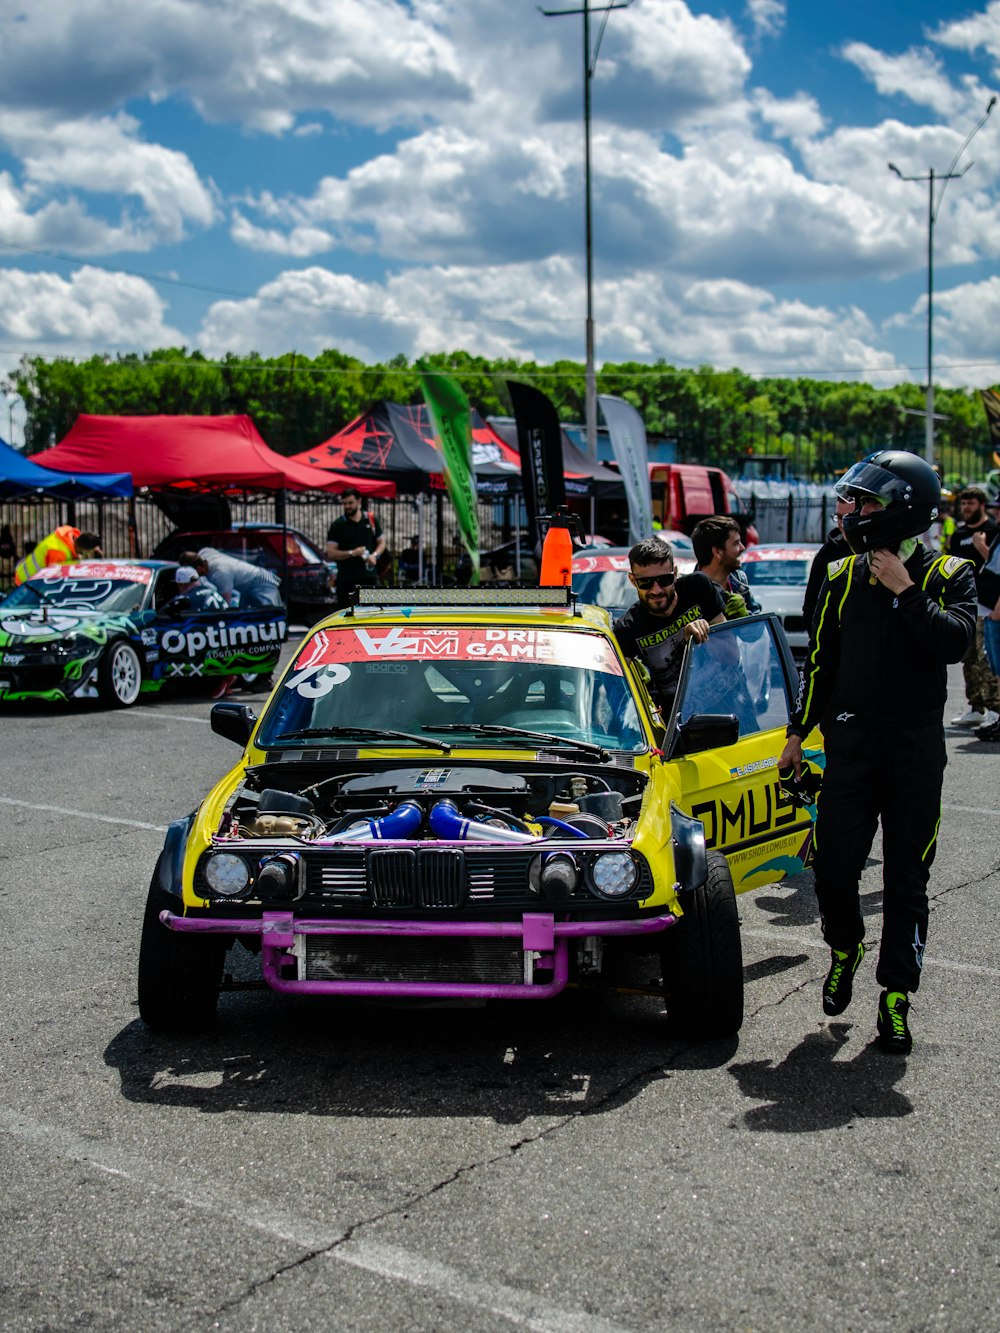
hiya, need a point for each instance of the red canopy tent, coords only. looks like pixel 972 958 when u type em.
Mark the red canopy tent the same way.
pixel 203 453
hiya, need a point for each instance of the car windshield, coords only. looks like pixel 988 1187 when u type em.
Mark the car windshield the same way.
pixel 347 683
pixel 117 596
pixel 777 573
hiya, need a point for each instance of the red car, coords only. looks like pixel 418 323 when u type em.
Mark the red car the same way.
pixel 306 578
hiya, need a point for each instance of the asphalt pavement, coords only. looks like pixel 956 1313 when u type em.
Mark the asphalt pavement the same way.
pixel 562 1166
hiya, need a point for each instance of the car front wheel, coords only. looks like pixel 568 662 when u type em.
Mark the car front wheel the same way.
pixel 703 960
pixel 119 676
pixel 179 975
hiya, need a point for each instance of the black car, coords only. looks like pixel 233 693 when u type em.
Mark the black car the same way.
pixel 306 578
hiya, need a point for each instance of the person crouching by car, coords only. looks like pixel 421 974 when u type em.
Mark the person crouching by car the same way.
pixel 670 610
pixel 201 595
pixel 718 546
pixel 61 547
pixel 891 617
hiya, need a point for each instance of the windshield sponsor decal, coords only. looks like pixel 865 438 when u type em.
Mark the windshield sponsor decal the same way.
pixel 600 564
pixel 94 569
pixel 590 652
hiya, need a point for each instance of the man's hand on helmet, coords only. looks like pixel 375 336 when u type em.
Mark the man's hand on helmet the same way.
pixel 890 571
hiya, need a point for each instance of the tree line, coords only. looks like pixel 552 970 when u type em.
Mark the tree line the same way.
pixel 713 416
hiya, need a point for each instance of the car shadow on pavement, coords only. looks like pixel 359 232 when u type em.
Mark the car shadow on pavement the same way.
pixel 580 1054
pixel 811 1089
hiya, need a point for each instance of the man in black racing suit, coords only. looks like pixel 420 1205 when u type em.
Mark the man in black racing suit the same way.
pixel 890 617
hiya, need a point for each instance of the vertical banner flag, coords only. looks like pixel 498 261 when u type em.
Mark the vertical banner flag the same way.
pixel 991 401
pixel 539 439
pixel 450 413
pixel 628 444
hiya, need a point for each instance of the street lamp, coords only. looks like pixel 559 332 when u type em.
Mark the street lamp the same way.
pixel 933 207
pixel 589 65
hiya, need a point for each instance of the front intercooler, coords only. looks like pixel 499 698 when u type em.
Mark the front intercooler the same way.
pixel 471 961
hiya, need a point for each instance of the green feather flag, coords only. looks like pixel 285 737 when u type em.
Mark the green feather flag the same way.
pixel 451 416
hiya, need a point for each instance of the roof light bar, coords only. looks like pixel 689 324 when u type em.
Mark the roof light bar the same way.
pixel 484 595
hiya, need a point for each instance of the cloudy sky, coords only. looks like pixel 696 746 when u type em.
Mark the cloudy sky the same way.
pixel 387 176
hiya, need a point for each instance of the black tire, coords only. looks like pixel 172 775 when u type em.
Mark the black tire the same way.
pixel 255 680
pixel 119 675
pixel 703 960
pixel 179 975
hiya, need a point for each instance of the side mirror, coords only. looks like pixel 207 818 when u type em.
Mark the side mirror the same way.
pixel 234 721
pixel 707 731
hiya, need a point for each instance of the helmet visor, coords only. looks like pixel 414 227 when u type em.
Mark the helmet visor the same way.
pixel 869 481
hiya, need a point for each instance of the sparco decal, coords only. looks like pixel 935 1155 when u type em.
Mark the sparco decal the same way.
pixel 198 640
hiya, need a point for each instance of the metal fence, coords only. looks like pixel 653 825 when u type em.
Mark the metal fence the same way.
pixel 135 528
pixel 803 514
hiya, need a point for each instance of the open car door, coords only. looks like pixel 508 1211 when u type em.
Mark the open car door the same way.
pixel 725 733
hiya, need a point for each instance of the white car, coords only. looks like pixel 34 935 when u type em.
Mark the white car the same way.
pixel 778 574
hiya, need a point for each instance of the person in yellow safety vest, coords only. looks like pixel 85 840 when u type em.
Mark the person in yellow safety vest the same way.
pixel 61 547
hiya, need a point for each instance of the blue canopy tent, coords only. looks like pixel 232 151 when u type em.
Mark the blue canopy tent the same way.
pixel 20 479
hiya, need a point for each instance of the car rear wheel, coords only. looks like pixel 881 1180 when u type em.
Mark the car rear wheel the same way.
pixel 703 960
pixel 119 676
pixel 179 975
pixel 254 680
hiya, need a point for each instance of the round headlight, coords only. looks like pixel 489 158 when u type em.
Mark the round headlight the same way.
pixel 614 874
pixel 227 874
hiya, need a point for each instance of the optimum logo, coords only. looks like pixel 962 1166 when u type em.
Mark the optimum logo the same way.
pixel 192 642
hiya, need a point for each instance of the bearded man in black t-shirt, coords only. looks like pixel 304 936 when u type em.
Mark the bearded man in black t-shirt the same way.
pixel 669 611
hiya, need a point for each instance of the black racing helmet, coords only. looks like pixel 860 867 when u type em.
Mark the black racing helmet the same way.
pixel 909 491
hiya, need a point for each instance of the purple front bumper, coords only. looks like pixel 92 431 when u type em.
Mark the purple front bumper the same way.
pixel 540 936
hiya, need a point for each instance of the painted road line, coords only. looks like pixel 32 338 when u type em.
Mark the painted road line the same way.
pixel 973 809
pixel 83 814
pixel 522 1308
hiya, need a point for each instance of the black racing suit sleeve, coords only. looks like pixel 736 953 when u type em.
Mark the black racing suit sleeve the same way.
pixel 942 629
pixel 820 668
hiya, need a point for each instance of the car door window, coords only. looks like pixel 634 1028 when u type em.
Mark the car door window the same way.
pixel 739 671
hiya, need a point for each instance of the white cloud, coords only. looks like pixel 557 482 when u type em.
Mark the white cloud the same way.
pixel 966 332
pixel 917 75
pixel 972 33
pixel 90 311
pixel 536 312
pixel 796 118
pixel 767 16
pixel 98 158
pixel 259 62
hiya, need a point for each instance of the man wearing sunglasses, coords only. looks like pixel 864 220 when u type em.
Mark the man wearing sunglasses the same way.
pixel 669 611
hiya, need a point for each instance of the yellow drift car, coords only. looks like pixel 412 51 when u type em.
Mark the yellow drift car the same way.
pixel 470 793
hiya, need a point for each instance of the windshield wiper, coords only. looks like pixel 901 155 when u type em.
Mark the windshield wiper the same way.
pixel 382 732
pixel 494 729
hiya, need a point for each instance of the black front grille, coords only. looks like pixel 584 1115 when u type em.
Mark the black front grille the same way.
pixel 392 876
pixel 405 877
pixel 364 958
pixel 794 624
pixel 36 678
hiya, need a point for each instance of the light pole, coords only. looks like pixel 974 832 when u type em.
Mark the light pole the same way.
pixel 589 65
pixel 933 207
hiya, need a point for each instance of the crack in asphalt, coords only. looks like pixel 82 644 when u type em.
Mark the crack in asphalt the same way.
pixel 413 1201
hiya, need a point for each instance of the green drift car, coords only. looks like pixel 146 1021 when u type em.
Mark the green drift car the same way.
pixel 113 629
